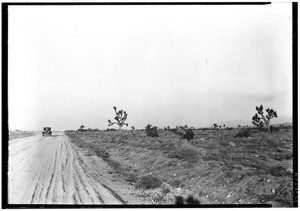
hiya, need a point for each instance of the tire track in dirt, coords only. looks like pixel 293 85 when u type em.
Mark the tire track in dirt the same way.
pixel 22 159
pixel 41 175
pixel 46 170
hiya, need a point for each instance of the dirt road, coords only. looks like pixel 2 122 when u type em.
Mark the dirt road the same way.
pixel 45 170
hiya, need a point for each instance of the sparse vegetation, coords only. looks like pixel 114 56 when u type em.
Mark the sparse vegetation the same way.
pixel 184 132
pixel 225 159
pixel 20 134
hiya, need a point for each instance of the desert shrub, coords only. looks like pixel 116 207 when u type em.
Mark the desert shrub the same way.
pixel 166 188
pixel 279 171
pixel 151 131
pixel 288 156
pixel 282 155
pixel 88 153
pixel 189 134
pixel 190 200
pixel 131 177
pixel 274 129
pixel 148 182
pixel 111 129
pixel 175 183
pixel 123 138
pixel 102 153
pixel 243 133
pixel 81 143
pixel 183 131
pixel 173 130
pixel 186 152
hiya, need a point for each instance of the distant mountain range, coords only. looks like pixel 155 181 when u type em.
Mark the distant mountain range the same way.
pixel 275 121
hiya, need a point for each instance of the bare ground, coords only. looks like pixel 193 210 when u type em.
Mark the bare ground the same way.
pixel 51 170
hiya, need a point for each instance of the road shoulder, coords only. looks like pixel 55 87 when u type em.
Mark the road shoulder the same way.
pixel 96 169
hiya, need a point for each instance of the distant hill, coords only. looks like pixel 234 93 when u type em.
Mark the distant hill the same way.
pixel 285 124
pixel 282 120
pixel 286 121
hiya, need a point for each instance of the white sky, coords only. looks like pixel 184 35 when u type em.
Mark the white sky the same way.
pixel 164 65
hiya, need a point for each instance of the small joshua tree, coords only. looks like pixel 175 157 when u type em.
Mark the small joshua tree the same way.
pixel 132 129
pixel 81 128
pixel 260 119
pixel 120 118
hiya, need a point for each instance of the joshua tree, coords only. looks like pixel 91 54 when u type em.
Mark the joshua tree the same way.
pixel 132 129
pixel 260 119
pixel 120 118
pixel 81 128
pixel 215 125
pixel 261 125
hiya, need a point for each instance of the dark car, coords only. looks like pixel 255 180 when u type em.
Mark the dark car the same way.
pixel 47 131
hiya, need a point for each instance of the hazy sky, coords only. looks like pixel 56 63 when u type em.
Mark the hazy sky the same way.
pixel 164 65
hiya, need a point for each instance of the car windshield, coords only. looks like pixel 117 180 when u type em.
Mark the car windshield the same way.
pixel 47 128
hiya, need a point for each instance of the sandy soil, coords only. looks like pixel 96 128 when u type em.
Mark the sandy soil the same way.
pixel 47 170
